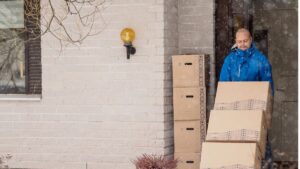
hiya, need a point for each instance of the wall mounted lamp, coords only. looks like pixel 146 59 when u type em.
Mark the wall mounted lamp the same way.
pixel 127 36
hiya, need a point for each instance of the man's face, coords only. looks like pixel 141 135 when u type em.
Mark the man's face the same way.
pixel 243 40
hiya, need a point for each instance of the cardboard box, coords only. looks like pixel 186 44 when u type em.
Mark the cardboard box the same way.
pixel 190 70
pixel 188 160
pixel 238 126
pixel 189 103
pixel 245 96
pixel 230 156
pixel 187 136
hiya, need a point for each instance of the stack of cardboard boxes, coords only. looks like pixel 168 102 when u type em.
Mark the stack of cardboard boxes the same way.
pixel 237 129
pixel 189 100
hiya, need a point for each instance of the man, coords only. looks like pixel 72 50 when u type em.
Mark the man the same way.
pixel 246 63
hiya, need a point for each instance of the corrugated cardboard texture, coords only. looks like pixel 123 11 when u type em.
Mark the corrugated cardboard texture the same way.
pixel 238 126
pixel 230 156
pixel 190 70
pixel 187 137
pixel 245 96
pixel 188 160
pixel 189 103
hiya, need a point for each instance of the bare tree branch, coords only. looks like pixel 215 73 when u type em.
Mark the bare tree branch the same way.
pixel 68 21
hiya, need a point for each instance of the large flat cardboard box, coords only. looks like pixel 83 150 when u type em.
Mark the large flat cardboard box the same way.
pixel 238 126
pixel 189 103
pixel 230 156
pixel 190 70
pixel 245 96
pixel 188 160
pixel 187 136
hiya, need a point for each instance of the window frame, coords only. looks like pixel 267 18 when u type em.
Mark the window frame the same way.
pixel 33 65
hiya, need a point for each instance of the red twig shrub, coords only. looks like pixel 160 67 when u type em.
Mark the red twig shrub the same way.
pixel 154 162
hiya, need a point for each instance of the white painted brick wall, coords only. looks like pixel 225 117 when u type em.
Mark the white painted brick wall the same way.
pixel 98 109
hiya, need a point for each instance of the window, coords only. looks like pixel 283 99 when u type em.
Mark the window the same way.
pixel 20 48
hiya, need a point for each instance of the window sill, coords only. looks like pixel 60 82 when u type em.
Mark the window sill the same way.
pixel 20 97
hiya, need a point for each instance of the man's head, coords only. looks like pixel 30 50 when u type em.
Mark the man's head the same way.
pixel 243 39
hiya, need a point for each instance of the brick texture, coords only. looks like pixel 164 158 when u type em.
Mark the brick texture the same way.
pixel 98 109
pixel 196 35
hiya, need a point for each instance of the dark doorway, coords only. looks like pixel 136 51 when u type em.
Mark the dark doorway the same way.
pixel 261 41
pixel 274 28
pixel 230 15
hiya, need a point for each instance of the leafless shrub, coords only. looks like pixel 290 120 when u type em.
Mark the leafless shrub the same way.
pixel 154 162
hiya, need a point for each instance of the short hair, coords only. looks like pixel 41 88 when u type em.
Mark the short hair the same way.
pixel 243 30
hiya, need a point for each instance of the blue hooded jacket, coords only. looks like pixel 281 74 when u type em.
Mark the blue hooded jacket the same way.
pixel 248 65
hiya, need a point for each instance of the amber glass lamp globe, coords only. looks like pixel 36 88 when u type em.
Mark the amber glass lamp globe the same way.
pixel 127 35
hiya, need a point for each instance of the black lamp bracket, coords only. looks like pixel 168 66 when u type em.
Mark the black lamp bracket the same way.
pixel 130 50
